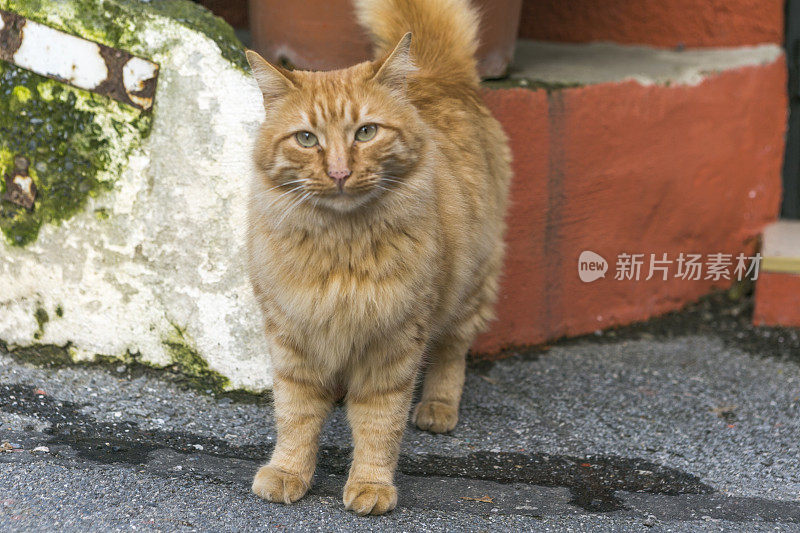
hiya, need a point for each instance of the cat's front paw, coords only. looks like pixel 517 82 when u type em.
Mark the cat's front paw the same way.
pixel 435 416
pixel 275 485
pixel 369 498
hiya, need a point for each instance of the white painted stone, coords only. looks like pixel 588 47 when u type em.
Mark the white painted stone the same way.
pixel 170 252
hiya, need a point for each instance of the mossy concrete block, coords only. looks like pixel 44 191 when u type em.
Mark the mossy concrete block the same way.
pixel 137 228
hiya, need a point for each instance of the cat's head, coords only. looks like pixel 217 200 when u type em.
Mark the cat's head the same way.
pixel 339 139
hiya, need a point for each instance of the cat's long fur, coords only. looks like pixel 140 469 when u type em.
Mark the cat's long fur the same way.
pixel 396 270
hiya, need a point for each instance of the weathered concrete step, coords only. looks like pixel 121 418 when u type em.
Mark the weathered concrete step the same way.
pixel 563 64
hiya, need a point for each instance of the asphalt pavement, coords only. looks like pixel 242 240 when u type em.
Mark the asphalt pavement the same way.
pixel 686 423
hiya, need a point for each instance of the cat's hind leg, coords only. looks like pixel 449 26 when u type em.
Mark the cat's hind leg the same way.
pixel 443 382
pixel 437 410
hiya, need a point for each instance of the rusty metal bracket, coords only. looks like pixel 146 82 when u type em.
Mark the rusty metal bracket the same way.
pixel 20 189
pixel 70 59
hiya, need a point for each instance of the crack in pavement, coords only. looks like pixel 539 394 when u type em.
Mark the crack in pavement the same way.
pixel 520 483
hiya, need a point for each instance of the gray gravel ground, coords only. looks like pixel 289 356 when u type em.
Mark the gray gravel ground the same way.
pixel 685 431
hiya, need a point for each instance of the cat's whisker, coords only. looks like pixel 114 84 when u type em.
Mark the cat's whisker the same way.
pixel 284 194
pixel 286 183
pixel 394 191
pixel 293 207
pixel 394 179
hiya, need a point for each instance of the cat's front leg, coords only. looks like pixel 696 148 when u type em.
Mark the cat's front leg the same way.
pixel 300 411
pixel 377 409
pixel 378 420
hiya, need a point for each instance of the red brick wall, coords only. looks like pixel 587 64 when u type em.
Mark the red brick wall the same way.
pixel 666 23
pixel 777 300
pixel 622 167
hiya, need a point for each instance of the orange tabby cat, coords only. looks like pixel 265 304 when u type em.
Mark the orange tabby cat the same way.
pixel 375 240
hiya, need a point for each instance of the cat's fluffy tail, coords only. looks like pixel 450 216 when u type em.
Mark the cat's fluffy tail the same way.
pixel 445 33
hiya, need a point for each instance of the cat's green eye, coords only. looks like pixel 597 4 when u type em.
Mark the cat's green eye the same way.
pixel 306 139
pixel 366 133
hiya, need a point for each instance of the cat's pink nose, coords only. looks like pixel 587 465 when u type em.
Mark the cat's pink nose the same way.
pixel 339 175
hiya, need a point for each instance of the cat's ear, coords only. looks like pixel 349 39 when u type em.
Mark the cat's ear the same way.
pixel 398 66
pixel 273 83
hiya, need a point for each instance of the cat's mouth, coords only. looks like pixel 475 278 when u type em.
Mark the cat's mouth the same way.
pixel 346 198
pixel 355 192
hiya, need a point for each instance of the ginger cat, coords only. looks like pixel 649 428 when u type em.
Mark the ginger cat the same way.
pixel 375 240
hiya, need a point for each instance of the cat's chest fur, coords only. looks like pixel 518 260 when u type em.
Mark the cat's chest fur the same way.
pixel 336 290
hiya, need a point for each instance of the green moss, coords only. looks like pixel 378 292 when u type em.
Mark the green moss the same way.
pixel 101 213
pixel 21 94
pixel 119 23
pixel 41 355
pixel 59 311
pixel 42 318
pixel 61 131
pixel 741 289
pixel 52 356
pixel 188 362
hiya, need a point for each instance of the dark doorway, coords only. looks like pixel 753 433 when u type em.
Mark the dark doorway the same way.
pixel 791 165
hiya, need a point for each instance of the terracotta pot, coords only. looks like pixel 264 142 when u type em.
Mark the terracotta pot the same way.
pixel 233 11
pixel 324 35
